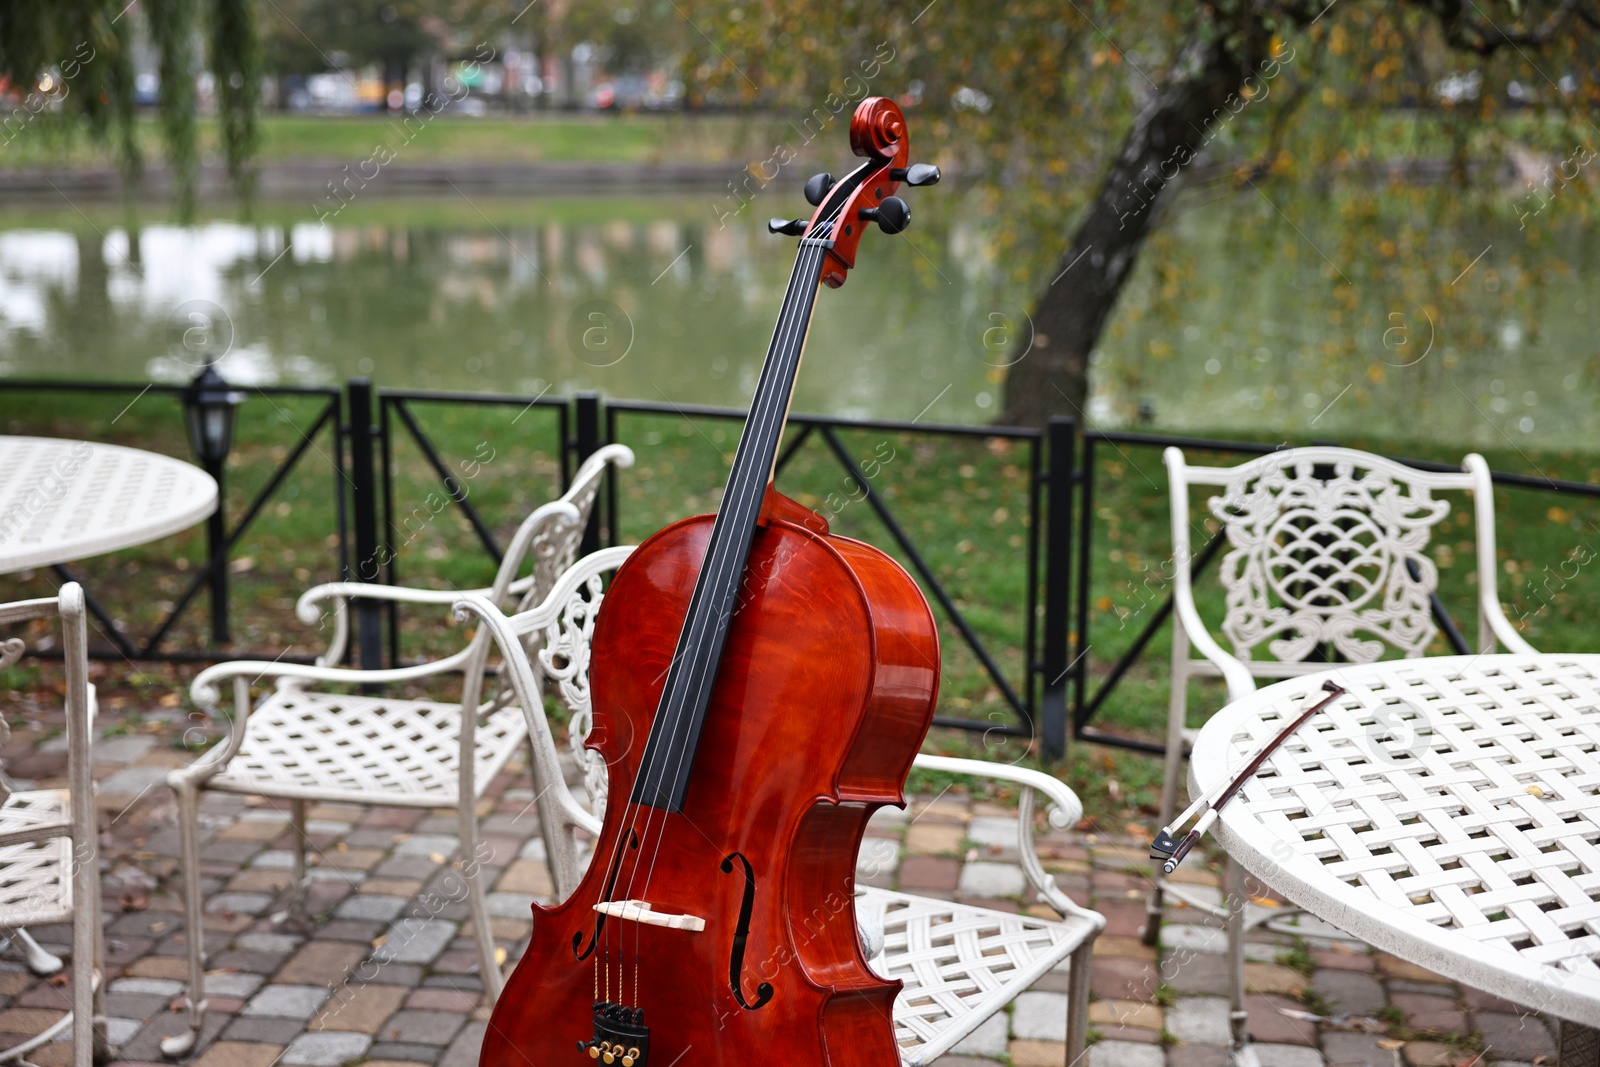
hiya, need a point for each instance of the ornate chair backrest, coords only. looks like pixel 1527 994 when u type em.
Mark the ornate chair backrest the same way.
pixel 545 545
pixel 1327 553
pixel 559 630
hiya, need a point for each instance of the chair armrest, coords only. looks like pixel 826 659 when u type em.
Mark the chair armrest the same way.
pixel 1065 812
pixel 341 593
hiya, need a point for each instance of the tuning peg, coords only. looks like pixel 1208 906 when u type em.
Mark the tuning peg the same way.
pixel 915 175
pixel 817 187
pixel 788 227
pixel 892 216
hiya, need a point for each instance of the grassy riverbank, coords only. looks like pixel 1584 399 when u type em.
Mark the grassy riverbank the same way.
pixel 648 138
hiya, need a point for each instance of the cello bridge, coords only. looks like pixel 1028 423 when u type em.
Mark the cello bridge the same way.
pixel 640 911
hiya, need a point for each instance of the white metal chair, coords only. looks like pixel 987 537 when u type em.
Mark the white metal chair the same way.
pixel 960 964
pixel 1326 562
pixel 304 742
pixel 49 870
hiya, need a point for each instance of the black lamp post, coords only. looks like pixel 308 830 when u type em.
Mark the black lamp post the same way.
pixel 208 411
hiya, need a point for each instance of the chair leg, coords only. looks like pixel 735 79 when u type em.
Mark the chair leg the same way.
pixel 478 908
pixel 297 890
pixel 1235 903
pixel 39 960
pixel 194 921
pixel 1078 1005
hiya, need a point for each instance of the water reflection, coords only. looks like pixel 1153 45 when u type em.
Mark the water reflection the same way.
pixel 624 296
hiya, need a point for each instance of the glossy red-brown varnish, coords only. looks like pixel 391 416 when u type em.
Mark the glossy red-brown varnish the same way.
pixel 826 688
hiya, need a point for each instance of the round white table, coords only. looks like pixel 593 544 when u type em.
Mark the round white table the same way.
pixel 63 500
pixel 1444 810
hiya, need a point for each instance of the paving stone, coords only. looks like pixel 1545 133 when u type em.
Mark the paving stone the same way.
pixel 326 1049
pixel 989 1039
pixel 526 876
pixel 950 1059
pixel 371 907
pixel 1118 947
pixel 239 903
pixel 1274 1055
pixel 1521 1037
pixel 1479 1000
pixel 1349 991
pixel 1040 1016
pixel 1199 1020
pixel 1121 1013
pixel 1268 1023
pixel 994 832
pixel 922 873
pixel 121 1031
pixel 934 839
pixel 1123 919
pixel 1344 958
pixel 405 888
pixel 985 879
pixel 463 1051
pixel 878 855
pixel 1395 967
pixel 1199 1056
pixel 509 905
pixel 1273 978
pixel 1038 1053
pixel 1196 973
pixel 321 961
pixel 360 1008
pixel 27 1020
pixel 1427 989
pixel 428 845
pixel 239 1054
pixel 422 1027
pixel 1428 1054
pixel 159 987
pixel 133 1005
pixel 256 941
pixel 394 1050
pixel 1123 1054
pixel 1357 1050
pixel 1436 1014
pixel 461 1001
pixel 1193 937
pixel 416 941
pixel 287 1001
pixel 1123 979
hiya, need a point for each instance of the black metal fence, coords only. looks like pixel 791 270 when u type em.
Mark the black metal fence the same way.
pixel 1057 693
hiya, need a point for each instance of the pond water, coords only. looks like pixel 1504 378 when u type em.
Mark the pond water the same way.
pixel 648 298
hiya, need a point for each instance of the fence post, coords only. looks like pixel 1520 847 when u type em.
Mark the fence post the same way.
pixel 217 553
pixel 590 438
pixel 1058 585
pixel 364 479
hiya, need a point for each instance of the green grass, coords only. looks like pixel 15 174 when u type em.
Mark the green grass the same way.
pixel 443 139
pixel 963 501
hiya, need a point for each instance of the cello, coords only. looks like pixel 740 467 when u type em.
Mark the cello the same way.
pixel 782 679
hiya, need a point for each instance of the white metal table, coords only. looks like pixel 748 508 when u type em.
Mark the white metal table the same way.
pixel 63 500
pixel 1445 810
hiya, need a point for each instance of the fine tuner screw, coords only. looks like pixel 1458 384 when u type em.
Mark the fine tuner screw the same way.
pixel 892 216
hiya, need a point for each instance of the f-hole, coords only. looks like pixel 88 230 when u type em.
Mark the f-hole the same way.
pixel 741 934
pixel 578 953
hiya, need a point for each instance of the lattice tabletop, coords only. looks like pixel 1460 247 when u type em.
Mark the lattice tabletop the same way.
pixel 1445 810
pixel 67 500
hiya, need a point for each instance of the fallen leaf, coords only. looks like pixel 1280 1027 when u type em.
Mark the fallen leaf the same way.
pixel 60 979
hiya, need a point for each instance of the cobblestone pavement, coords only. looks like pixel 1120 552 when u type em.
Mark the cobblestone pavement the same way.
pixel 312 993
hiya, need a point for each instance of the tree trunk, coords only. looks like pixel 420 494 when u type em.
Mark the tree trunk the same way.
pixel 1195 100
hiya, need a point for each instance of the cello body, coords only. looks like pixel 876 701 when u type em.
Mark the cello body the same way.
pixel 826 689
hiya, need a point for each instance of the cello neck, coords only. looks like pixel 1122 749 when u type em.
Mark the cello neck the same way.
pixel 669 754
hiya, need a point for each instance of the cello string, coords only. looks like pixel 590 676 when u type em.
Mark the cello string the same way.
pixel 773 403
pixel 810 261
pixel 738 499
pixel 744 496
